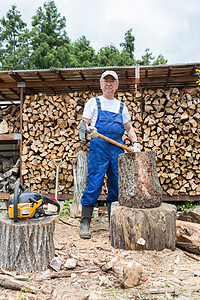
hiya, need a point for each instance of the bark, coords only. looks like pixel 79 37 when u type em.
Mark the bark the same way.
pixel 26 245
pixel 188 236
pixel 139 185
pixel 81 173
pixel 143 229
pixel 190 215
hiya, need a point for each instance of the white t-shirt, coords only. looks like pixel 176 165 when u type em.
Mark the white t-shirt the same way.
pixel 91 109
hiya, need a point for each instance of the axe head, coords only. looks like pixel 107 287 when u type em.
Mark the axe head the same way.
pixel 82 130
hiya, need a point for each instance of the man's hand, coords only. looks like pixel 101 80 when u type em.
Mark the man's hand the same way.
pixel 136 146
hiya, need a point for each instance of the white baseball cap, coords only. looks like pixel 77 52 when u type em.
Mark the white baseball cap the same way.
pixel 112 73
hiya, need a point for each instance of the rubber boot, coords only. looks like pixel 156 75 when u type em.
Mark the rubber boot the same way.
pixel 86 216
pixel 109 212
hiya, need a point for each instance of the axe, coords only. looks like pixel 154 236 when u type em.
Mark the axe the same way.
pixel 84 128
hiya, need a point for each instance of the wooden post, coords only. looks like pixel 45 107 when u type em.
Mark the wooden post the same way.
pixel 26 245
pixel 139 185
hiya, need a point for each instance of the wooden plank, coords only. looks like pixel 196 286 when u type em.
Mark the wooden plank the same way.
pixel 10 137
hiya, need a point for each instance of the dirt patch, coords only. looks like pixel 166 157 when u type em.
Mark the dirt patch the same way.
pixel 166 274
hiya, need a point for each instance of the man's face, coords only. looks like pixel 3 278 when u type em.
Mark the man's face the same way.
pixel 109 84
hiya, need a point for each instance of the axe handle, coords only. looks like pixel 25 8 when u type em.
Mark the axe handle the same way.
pixel 114 143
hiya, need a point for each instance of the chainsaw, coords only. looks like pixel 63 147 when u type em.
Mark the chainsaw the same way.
pixel 25 204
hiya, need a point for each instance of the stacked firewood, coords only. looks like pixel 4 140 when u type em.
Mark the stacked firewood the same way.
pixel 9 119
pixel 166 121
pixel 171 127
pixel 50 132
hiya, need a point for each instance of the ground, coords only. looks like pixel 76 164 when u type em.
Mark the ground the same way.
pixel 166 274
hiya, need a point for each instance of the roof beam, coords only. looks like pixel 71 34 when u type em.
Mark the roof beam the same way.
pixel 39 76
pixel 60 75
pixel 2 95
pixel 14 92
pixel 193 70
pixel 82 75
pixel 169 71
pixel 95 82
pixel 16 76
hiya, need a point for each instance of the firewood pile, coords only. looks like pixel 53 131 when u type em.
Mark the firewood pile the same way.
pixel 9 173
pixel 171 127
pixel 9 119
pixel 166 121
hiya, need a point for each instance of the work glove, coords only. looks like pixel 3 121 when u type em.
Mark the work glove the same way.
pixel 136 146
pixel 93 132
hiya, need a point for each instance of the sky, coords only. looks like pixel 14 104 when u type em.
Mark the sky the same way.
pixel 167 27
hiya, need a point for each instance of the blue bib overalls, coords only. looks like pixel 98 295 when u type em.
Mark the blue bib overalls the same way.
pixel 103 157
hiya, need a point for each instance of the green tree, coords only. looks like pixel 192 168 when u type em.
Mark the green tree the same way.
pixel 111 56
pixel 14 41
pixel 160 60
pixel 49 40
pixel 82 53
pixel 129 44
pixel 147 58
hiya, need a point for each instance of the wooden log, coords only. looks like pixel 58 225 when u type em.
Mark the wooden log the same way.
pixel 81 173
pixel 190 215
pixel 26 245
pixel 188 236
pixel 143 229
pixel 139 185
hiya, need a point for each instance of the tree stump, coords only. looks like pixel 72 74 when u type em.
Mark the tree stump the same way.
pixel 139 185
pixel 26 245
pixel 139 229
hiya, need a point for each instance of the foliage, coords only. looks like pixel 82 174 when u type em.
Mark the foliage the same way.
pixel 129 44
pixel 14 41
pixel 186 205
pixel 65 211
pixel 198 73
pixel 46 45
pixel 49 41
pixel 82 54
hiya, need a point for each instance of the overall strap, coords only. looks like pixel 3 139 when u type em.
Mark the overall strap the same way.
pixel 121 107
pixel 98 103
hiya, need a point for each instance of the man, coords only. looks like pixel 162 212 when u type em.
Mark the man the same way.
pixel 111 118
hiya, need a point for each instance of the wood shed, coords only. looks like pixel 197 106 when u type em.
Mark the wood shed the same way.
pixel 155 95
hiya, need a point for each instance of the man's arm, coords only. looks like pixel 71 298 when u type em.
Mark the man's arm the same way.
pixel 130 131
pixel 88 121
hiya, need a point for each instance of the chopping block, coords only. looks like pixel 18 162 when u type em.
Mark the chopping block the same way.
pixel 26 245
pixel 141 221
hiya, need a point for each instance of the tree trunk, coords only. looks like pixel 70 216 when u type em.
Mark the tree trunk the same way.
pixel 26 245
pixel 81 173
pixel 139 185
pixel 139 229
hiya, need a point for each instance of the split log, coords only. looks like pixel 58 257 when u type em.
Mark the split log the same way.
pixel 190 215
pixel 139 185
pixel 81 173
pixel 26 245
pixel 188 236
pixel 143 229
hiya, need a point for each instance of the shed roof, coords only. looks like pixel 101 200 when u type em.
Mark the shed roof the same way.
pixel 59 81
